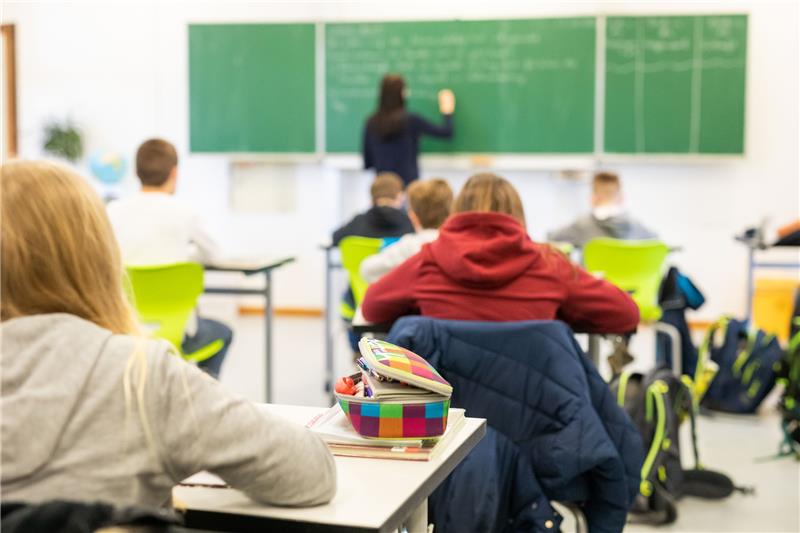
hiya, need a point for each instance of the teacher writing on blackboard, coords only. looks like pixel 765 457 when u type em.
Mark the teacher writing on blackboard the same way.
pixel 391 134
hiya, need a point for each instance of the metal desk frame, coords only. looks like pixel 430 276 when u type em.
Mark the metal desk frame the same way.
pixel 266 292
pixel 753 264
pixel 330 265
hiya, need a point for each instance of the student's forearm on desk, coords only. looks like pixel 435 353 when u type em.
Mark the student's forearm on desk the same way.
pixel 391 296
pixel 596 306
pixel 203 427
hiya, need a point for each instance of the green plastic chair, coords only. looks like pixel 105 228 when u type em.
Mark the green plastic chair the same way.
pixel 353 251
pixel 165 297
pixel 634 266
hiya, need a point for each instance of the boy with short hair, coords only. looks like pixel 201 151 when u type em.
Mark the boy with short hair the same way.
pixel 608 217
pixel 429 203
pixel 153 228
pixel 385 218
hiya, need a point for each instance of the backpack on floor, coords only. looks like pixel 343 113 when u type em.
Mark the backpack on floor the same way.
pixel 788 375
pixel 747 359
pixel 658 403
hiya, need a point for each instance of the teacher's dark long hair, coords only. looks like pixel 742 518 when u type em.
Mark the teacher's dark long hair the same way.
pixel 390 117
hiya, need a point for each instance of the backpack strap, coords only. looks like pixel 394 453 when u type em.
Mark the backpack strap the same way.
pixel 704 350
pixel 689 384
pixel 654 396
pixel 744 353
pixel 794 342
pixel 622 386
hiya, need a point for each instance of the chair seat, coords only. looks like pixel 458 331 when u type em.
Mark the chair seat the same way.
pixel 206 352
pixel 649 313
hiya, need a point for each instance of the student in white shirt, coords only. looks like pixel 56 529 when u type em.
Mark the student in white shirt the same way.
pixel 154 228
pixel 429 204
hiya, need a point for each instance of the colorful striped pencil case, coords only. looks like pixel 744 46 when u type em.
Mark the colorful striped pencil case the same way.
pixel 402 397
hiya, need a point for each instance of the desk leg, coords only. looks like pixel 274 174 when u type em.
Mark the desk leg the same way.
pixel 328 328
pixel 418 521
pixel 268 335
pixel 594 349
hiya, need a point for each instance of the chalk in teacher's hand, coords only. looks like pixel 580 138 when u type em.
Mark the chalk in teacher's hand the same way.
pixel 447 102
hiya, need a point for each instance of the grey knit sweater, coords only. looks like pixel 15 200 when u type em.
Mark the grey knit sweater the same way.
pixel 67 432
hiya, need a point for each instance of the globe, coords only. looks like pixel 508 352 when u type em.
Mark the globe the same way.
pixel 108 167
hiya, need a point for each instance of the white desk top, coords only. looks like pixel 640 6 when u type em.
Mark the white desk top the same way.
pixel 372 494
pixel 358 318
pixel 248 264
pixel 361 326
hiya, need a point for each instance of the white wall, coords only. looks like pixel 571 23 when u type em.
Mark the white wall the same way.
pixel 119 69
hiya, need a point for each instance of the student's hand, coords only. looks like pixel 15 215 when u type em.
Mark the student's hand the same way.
pixel 447 102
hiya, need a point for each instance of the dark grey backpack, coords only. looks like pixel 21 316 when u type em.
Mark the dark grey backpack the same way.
pixel 658 403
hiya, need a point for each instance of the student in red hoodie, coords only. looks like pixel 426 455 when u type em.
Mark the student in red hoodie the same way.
pixel 484 266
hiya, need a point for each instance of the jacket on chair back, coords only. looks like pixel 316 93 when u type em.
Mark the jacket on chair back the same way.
pixel 533 384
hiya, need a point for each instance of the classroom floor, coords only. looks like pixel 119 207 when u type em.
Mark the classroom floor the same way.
pixel 729 444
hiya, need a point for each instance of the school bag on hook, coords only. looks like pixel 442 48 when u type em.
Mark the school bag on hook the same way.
pixel 747 358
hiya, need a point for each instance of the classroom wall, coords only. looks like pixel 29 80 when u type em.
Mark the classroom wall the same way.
pixel 119 70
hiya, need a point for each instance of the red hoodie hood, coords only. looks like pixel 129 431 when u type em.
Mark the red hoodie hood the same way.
pixel 483 250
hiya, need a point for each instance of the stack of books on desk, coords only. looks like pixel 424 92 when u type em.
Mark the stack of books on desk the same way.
pixel 338 433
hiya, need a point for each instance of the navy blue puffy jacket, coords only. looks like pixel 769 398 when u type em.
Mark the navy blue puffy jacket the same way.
pixel 533 384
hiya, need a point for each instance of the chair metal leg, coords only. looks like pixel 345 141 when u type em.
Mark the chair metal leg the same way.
pixel 328 326
pixel 573 516
pixel 675 340
pixel 593 350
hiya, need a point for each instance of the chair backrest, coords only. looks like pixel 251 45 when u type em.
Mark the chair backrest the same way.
pixel 353 251
pixel 165 296
pixel 634 266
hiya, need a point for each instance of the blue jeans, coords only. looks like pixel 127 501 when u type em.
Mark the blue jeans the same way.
pixel 208 331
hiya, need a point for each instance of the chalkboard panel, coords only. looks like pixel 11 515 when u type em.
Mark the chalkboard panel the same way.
pixel 675 84
pixel 251 87
pixel 521 85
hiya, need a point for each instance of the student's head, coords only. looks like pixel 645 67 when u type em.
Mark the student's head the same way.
pixel 429 203
pixel 387 189
pixel 489 193
pixel 606 189
pixel 59 254
pixel 157 165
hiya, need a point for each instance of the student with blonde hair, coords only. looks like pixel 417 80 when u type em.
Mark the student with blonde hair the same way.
pixel 429 204
pixel 91 409
pixel 484 267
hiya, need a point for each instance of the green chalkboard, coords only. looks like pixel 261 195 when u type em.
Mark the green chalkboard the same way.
pixel 251 87
pixel 521 85
pixel 675 84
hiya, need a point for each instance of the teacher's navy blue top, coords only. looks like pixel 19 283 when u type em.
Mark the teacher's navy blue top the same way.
pixel 398 153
